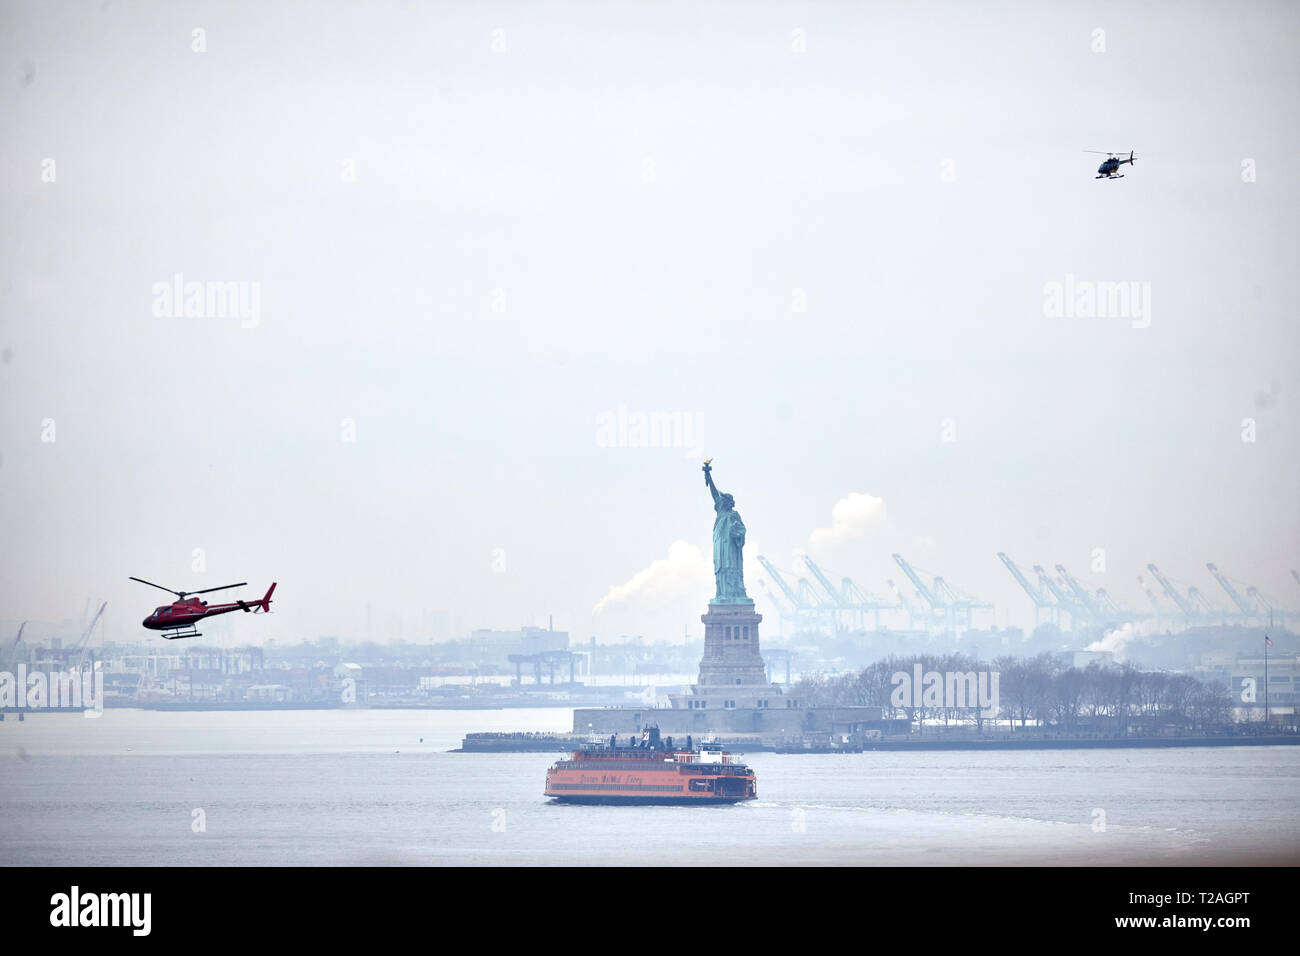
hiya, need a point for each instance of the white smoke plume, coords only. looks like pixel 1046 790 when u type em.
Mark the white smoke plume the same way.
pixel 1116 639
pixel 686 574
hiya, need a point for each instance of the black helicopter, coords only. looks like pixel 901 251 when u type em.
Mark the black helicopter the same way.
pixel 1110 168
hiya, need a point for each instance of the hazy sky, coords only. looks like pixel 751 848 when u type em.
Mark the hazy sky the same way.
pixel 817 232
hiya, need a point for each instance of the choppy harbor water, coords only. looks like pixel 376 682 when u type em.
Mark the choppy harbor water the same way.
pixel 362 787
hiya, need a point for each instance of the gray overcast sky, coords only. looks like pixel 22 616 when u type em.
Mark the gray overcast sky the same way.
pixel 474 229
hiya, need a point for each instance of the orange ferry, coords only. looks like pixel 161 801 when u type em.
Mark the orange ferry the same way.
pixel 651 771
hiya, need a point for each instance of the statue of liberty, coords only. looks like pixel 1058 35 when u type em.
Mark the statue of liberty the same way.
pixel 728 542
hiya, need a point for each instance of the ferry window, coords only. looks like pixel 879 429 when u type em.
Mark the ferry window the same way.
pixel 737 680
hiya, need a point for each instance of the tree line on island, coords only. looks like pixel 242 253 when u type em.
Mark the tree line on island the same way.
pixel 1039 693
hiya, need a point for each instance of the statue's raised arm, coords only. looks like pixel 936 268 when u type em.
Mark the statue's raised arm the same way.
pixel 708 480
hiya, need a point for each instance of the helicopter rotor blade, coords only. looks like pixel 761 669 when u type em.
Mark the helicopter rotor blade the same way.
pixel 222 588
pixel 158 586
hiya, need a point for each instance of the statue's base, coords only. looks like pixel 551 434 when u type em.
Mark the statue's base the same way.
pixel 731 654
pixel 733 677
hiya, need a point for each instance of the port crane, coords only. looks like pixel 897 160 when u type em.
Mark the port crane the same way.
pixel 1113 607
pixel 1254 605
pixel 922 589
pixel 865 601
pixel 1194 606
pixel 1042 600
pixel 831 599
pixel 779 581
pixel 1086 601
pixel 807 609
pixel 1180 602
pixel 10 659
pixel 947 604
pixel 1247 609
pixel 849 597
pixel 83 643
pixel 1151 595
pixel 1100 606
pixel 1066 600
pixel 912 615
pixel 1266 606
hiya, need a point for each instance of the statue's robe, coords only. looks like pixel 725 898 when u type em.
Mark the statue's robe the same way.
pixel 728 540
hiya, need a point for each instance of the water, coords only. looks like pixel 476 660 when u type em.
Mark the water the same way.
pixel 359 787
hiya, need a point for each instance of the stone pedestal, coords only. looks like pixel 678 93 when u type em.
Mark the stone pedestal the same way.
pixel 733 684
pixel 731 656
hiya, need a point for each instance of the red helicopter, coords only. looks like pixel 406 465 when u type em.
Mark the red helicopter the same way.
pixel 183 614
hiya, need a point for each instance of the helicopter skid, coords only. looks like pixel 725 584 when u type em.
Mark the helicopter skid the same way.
pixel 179 633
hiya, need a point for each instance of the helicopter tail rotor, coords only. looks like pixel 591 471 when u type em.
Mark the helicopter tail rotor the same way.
pixel 265 603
